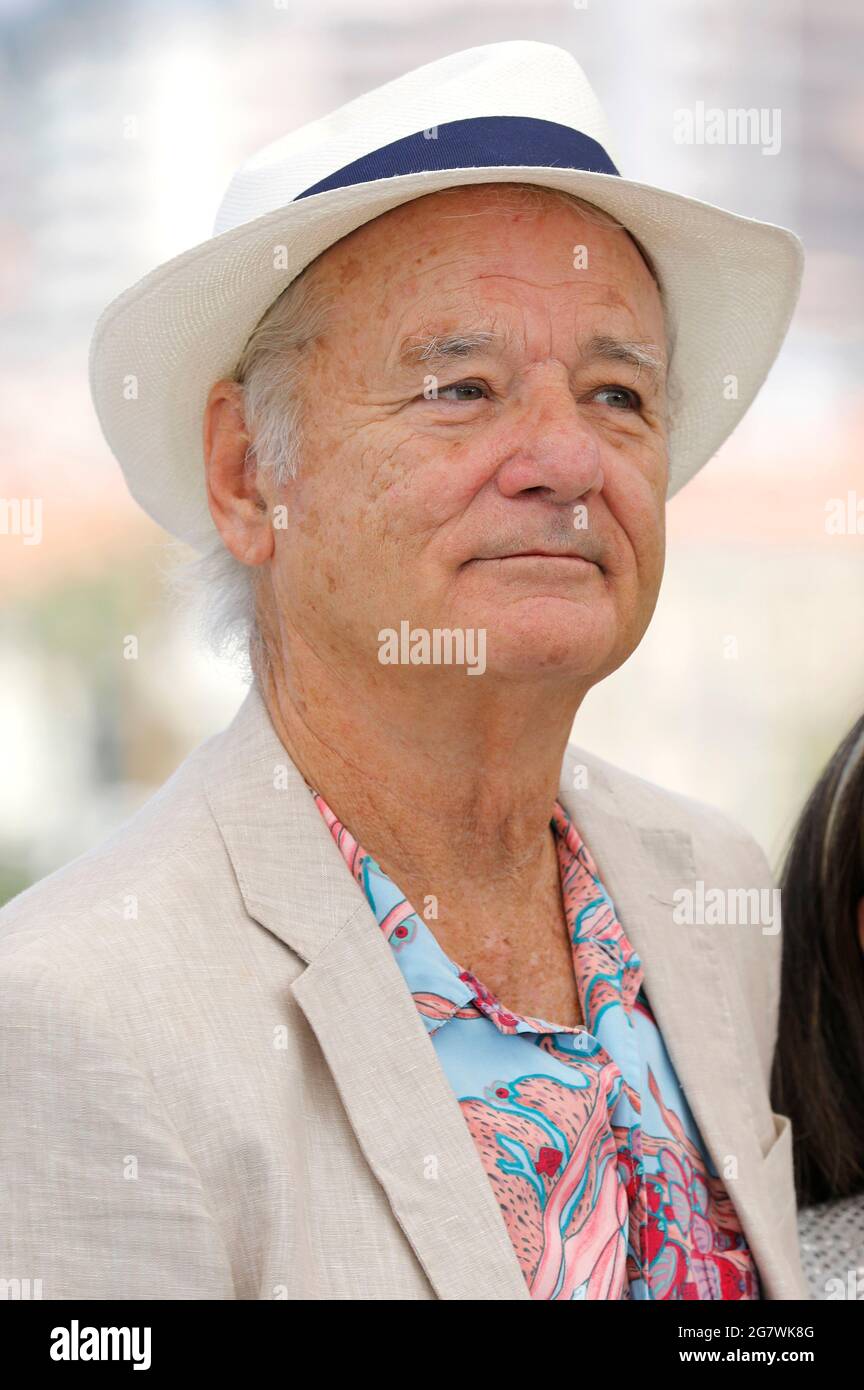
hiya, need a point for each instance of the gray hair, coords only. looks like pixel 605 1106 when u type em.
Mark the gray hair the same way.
pixel 221 591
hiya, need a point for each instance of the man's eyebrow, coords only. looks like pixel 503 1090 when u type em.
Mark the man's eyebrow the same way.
pixel 436 348
pixel 643 356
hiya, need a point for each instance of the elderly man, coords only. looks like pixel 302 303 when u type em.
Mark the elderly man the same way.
pixel 386 994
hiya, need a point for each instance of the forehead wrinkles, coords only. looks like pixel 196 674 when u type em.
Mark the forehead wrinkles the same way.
pixel 479 220
pixel 511 282
pixel 402 292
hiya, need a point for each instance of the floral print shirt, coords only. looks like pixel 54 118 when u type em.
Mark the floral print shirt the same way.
pixel 604 1183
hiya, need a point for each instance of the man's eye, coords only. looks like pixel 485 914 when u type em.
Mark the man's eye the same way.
pixel 618 397
pixel 623 398
pixel 463 386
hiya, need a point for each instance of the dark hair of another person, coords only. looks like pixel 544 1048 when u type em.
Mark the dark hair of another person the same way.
pixel 818 1075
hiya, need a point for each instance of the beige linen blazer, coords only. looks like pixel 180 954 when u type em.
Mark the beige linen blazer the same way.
pixel 214 1082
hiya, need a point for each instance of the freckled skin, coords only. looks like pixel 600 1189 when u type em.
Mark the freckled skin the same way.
pixel 448 779
pixel 393 484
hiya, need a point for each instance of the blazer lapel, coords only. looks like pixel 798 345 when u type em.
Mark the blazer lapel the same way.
pixel 641 866
pixel 400 1105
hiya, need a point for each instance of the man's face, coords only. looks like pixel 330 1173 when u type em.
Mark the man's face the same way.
pixel 424 479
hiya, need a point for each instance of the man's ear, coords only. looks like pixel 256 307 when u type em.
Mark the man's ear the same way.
pixel 239 511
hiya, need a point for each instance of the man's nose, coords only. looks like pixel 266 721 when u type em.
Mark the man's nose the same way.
pixel 551 444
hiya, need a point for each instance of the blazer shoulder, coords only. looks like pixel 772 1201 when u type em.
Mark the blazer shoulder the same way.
pixel 645 802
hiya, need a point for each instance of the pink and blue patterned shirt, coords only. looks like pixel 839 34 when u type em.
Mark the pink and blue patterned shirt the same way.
pixel 604 1184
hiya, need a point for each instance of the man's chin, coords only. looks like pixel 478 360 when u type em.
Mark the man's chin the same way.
pixel 574 653
pixel 550 631
pixel 529 638
pixel 545 669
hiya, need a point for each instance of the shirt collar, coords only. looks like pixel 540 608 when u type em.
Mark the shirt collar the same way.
pixel 440 986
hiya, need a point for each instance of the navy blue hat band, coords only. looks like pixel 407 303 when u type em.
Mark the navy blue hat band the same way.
pixel 478 142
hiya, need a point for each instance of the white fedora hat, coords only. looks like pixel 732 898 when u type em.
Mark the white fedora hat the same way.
pixel 504 112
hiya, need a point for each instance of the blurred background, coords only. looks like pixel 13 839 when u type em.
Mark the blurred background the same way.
pixel 124 123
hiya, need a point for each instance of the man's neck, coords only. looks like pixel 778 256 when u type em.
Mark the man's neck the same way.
pixel 456 803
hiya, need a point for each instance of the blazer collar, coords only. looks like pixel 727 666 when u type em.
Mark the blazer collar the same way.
pixel 295 883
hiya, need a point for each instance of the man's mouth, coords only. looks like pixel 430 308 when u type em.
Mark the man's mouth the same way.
pixel 560 556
